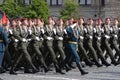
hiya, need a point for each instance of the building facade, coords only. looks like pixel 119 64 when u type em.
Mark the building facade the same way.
pixel 87 8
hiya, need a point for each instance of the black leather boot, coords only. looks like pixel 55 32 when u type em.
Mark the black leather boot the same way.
pixel 58 70
pixel 80 69
pixel 12 71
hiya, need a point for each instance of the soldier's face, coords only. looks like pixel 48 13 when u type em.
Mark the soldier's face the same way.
pixel 26 22
pixel 107 21
pixel 13 22
pixel 90 22
pixel 116 22
pixel 99 22
pixel 81 21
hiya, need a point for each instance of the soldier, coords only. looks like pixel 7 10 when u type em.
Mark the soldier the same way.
pixel 71 46
pixel 97 41
pixel 89 42
pixel 3 42
pixel 59 36
pixel 37 40
pixel 114 37
pixel 21 34
pixel 106 39
pixel 49 37
pixel 81 49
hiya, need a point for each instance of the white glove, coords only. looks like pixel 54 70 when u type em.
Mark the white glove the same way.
pixel 107 36
pixel 10 31
pixel 54 30
pixel 37 38
pixel 41 38
pixel 102 30
pixel 16 40
pixel 81 37
pixel 24 40
pixel 90 37
pixel 119 28
pixel 85 30
pixel 65 31
pixel 73 25
pixel 29 39
pixel 99 38
pixel 111 29
pixel 115 36
pixel 94 30
pixel 42 30
pixel 30 31
pixel 60 38
pixel 49 38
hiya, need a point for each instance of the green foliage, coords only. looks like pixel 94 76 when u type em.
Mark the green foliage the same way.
pixel 38 8
pixel 70 9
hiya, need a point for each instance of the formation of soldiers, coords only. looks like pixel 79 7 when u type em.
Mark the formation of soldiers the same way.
pixel 34 45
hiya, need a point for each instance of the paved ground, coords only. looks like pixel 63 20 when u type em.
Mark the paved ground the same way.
pixel 103 73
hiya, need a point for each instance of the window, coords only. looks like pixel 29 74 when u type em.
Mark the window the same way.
pixel 54 2
pixel 84 2
pixel 1 1
pixel 103 2
pixel 27 2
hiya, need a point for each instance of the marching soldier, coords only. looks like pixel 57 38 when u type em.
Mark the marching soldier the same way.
pixel 71 46
pixel 97 41
pixel 106 39
pixel 3 42
pixel 81 48
pixel 37 41
pixel 114 37
pixel 21 34
pixel 89 42
pixel 59 36
pixel 49 37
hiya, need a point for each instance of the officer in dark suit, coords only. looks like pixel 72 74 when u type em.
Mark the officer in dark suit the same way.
pixel 3 42
pixel 72 46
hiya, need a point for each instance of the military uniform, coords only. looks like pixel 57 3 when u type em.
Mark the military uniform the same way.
pixel 89 44
pixel 114 38
pixel 59 36
pixel 106 44
pixel 21 36
pixel 81 48
pixel 36 44
pixel 72 46
pixel 3 43
pixel 49 37
pixel 97 44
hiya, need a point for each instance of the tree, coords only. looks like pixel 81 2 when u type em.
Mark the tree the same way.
pixel 70 9
pixel 41 8
pixel 38 8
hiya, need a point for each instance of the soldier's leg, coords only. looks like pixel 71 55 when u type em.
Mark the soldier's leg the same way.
pixel 109 51
pixel 84 53
pixel 39 54
pixel 94 55
pixel 100 54
pixel 28 58
pixel 77 58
